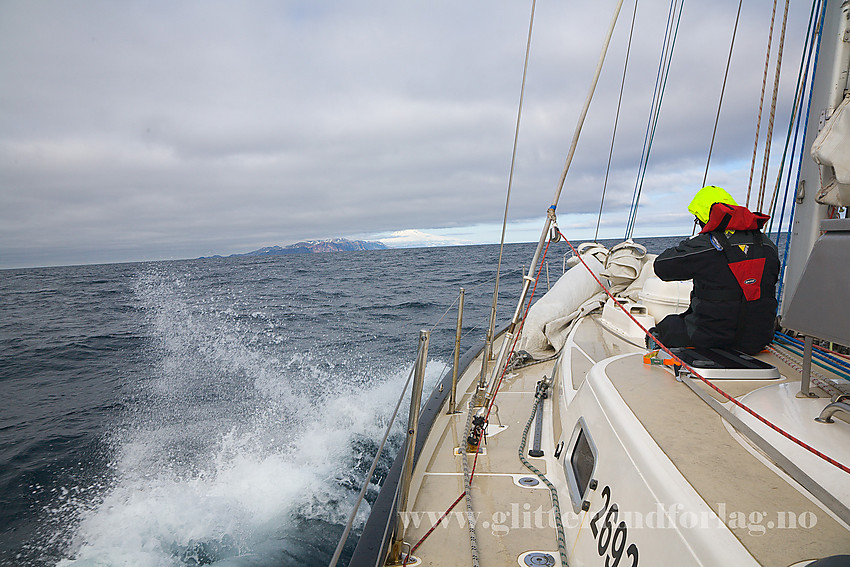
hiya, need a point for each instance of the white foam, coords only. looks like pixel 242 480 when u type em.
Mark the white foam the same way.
pixel 254 450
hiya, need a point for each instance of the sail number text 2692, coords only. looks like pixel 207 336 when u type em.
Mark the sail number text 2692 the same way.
pixel 611 537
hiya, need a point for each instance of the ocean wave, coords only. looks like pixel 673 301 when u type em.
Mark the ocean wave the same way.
pixel 232 448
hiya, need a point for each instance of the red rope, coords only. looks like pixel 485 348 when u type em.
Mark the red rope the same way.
pixel 489 409
pixel 508 358
pixel 434 527
pixel 667 350
pixel 663 347
pixel 776 428
pixel 832 352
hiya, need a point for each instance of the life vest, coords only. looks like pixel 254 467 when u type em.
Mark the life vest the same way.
pixel 746 261
pixel 733 217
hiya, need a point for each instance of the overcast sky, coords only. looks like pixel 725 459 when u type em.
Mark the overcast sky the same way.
pixel 144 130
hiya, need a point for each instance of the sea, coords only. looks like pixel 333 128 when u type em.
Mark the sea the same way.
pixel 222 411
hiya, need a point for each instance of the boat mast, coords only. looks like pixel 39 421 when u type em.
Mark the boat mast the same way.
pixel 830 87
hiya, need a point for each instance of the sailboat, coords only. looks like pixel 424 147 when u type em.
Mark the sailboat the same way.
pixel 563 440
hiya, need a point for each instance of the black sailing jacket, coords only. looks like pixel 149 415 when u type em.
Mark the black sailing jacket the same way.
pixel 719 314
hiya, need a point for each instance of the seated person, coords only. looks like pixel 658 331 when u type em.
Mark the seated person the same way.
pixel 734 268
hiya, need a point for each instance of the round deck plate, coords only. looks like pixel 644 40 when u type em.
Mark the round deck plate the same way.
pixel 538 559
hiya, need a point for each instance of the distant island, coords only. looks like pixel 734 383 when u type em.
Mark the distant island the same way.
pixel 314 247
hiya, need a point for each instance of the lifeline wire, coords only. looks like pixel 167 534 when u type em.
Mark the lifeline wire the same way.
pixel 364 488
pixel 475 460
pixel 369 474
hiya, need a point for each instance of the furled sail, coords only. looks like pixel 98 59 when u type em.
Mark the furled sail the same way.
pixel 832 149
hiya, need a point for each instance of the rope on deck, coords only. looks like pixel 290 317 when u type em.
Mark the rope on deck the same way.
pixel 538 399
pixel 467 490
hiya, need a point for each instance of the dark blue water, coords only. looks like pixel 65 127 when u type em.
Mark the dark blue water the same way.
pixel 220 410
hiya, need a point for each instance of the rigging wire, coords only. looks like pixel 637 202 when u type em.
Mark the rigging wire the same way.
pixel 782 161
pixel 668 46
pixel 643 152
pixel 723 91
pixel 350 523
pixel 486 418
pixel 492 327
pixel 761 102
pixel 816 50
pixel 802 81
pixel 585 108
pixel 516 320
pixel 616 121
pixel 550 212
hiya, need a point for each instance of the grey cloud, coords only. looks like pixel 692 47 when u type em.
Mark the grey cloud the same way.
pixel 141 130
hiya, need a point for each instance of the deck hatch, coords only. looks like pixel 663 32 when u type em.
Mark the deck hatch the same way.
pixel 580 464
pixel 724 364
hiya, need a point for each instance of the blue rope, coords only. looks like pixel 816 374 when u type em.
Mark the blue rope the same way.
pixel 799 352
pixel 810 39
pixel 819 35
pixel 845 364
pixel 802 80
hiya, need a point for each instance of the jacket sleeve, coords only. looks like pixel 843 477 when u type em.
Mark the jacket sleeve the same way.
pixel 682 262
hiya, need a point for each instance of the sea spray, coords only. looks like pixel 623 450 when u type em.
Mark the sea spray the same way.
pixel 227 410
pixel 232 445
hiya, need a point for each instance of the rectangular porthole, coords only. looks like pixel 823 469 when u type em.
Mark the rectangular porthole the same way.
pixel 580 462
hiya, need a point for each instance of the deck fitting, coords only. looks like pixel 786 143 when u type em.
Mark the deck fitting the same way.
pixel 538 558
